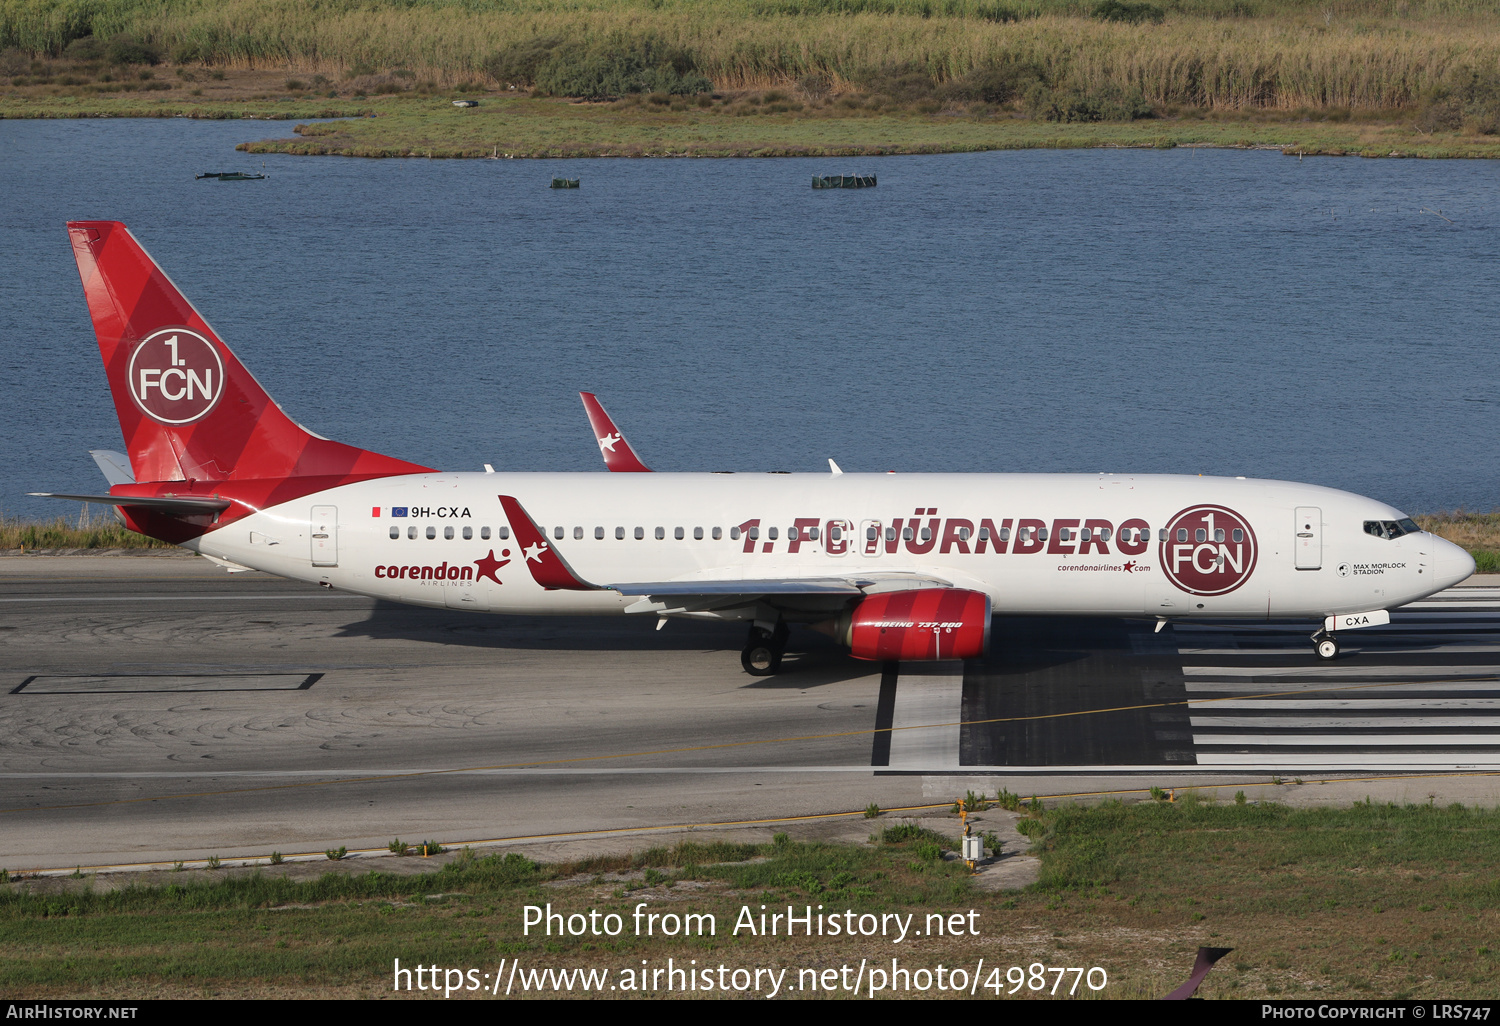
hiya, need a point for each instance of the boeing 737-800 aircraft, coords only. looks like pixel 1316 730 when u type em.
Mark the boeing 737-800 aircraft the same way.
pixel 896 566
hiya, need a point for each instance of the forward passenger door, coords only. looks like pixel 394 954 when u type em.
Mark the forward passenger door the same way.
pixel 1309 538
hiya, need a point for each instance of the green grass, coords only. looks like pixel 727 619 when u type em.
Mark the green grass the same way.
pixel 1479 533
pixel 85 532
pixel 1366 855
pixel 1241 54
pixel 792 77
pixel 428 126
pixel 552 128
pixel 1331 902
pixel 255 932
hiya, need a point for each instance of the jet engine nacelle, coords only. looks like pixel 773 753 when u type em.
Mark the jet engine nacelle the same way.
pixel 927 623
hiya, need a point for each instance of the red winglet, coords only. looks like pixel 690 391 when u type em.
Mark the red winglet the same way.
pixel 617 453
pixel 547 568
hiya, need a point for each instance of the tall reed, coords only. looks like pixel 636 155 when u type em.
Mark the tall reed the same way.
pixel 82 532
pixel 1236 54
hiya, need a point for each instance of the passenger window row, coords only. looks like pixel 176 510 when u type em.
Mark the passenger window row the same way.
pixel 449 532
pixel 1201 534
pixel 1384 529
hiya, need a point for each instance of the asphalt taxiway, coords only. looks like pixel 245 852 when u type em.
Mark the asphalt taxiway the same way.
pixel 157 708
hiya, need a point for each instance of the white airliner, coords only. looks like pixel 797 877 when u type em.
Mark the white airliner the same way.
pixel 896 566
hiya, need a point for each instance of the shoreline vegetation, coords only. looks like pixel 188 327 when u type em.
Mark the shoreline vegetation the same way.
pixel 1478 533
pixel 776 77
pixel 1324 901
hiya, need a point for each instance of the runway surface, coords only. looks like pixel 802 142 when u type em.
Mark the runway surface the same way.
pixel 157 708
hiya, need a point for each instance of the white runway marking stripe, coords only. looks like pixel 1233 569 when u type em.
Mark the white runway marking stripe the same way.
pixel 1331 687
pixel 1350 762
pixel 1303 653
pixel 1440 623
pixel 1312 704
pixel 1454 604
pixel 47 775
pixel 927 693
pixel 1292 719
pixel 1349 740
pixel 1408 614
pixel 1346 671
pixel 1303 714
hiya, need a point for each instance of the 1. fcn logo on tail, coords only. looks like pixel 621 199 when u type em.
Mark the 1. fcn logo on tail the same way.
pixel 176 376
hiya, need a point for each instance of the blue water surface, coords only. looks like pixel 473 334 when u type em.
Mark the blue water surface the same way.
pixel 1329 320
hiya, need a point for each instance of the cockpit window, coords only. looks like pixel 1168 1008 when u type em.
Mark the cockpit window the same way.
pixel 1392 529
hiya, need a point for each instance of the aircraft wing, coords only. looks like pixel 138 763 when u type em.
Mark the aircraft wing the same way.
pixel 174 506
pixel 827 594
pixel 710 591
pixel 549 569
pixel 618 456
pixel 782 586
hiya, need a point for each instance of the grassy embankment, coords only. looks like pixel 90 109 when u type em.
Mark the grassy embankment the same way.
pixel 1415 77
pixel 1358 902
pixel 1479 533
pixel 85 532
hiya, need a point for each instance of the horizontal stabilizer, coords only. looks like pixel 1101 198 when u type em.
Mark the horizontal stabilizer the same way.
pixel 114 465
pixel 172 506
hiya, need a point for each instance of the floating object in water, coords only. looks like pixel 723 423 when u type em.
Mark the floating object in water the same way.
pixel 465 103
pixel 844 182
pixel 213 174
pixel 238 176
pixel 564 183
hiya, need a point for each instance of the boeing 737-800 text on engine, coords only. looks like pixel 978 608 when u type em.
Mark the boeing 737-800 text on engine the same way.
pixel 897 566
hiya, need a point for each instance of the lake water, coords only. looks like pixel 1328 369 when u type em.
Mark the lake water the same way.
pixel 1217 312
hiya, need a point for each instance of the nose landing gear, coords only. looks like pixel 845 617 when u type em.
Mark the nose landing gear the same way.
pixel 763 650
pixel 1325 645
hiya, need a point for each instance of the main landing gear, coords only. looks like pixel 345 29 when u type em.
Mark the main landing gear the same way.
pixel 1325 645
pixel 763 650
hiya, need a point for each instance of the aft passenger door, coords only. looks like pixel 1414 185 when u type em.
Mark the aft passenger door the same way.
pixel 1309 538
pixel 325 536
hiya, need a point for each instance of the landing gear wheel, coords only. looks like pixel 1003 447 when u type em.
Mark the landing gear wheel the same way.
pixel 762 654
pixel 1326 647
pixel 759 660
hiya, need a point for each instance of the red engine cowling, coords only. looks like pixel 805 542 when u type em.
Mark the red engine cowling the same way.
pixel 926 623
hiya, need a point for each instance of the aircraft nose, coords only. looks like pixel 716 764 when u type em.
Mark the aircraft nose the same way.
pixel 1450 564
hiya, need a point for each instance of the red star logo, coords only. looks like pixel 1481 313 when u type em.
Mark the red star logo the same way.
pixel 1129 568
pixel 489 564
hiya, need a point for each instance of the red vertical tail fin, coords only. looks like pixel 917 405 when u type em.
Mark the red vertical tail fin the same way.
pixel 189 410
